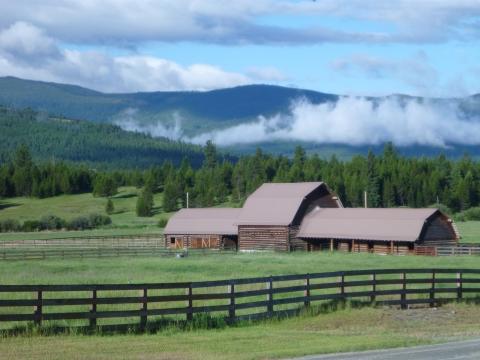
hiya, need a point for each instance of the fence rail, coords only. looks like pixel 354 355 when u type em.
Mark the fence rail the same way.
pixel 235 299
pixel 139 251
pixel 460 250
pixel 154 240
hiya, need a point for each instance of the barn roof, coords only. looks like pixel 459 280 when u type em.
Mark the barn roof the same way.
pixel 203 222
pixel 365 224
pixel 275 204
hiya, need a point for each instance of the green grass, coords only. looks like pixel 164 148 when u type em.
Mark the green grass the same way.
pixel 70 206
pixel 331 331
pixel 470 231
pixel 345 330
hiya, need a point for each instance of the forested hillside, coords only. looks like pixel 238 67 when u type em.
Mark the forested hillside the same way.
pixel 199 110
pixel 389 179
pixel 96 145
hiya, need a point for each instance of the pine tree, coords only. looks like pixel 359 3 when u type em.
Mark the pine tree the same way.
pixel 170 198
pixel 141 208
pixel 109 208
pixel 210 152
pixel 372 188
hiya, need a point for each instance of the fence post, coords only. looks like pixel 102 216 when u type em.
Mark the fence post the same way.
pixel 270 295
pixel 403 296
pixel 306 292
pixel 459 285
pixel 432 287
pixel 231 302
pixel 93 308
pixel 341 289
pixel 143 308
pixel 37 309
pixel 189 303
pixel 373 288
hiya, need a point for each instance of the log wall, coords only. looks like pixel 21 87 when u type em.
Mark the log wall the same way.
pixel 199 241
pixel 439 230
pixel 263 238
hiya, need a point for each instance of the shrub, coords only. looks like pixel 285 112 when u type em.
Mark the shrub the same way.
pixel 442 207
pixel 31 225
pixel 51 222
pixel 7 225
pixel 78 223
pixel 472 213
pixel 459 217
pixel 99 219
pixel 162 223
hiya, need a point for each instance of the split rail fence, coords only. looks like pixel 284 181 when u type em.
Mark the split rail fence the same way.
pixel 235 300
pixel 460 250
pixel 89 242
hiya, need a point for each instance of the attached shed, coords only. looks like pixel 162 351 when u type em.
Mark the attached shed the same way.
pixel 202 228
pixel 380 231
pixel 271 216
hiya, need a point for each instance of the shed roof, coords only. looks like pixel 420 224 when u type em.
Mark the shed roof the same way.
pixel 275 204
pixel 203 222
pixel 365 224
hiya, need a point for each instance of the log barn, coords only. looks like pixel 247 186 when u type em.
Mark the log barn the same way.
pixel 309 216
pixel 380 231
pixel 271 216
pixel 202 228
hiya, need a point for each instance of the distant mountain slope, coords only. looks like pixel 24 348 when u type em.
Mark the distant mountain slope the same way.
pixel 97 145
pixel 199 110
pixel 204 112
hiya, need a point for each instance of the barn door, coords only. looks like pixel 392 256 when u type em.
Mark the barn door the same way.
pixel 179 243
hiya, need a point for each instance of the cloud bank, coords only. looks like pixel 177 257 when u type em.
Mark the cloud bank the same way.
pixel 128 22
pixel 27 51
pixel 350 121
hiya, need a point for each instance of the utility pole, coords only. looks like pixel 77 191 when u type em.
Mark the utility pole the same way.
pixel 365 199
pixel 187 200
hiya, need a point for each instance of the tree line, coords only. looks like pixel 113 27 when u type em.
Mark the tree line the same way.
pixel 390 179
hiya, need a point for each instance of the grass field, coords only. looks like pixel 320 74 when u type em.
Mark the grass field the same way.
pixel 343 330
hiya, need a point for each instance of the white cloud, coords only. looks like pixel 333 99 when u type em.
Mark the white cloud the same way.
pixel 267 74
pixel 414 71
pixel 357 121
pixel 26 51
pixel 128 22
pixel 27 43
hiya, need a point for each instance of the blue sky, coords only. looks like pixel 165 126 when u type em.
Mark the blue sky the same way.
pixel 374 47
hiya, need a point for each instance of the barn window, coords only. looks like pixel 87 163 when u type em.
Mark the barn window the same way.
pixel 172 240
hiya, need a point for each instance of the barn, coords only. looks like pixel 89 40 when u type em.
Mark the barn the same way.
pixel 380 231
pixel 309 216
pixel 271 216
pixel 202 228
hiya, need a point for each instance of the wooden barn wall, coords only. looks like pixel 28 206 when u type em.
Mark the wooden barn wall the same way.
pixel 296 243
pixel 182 241
pixel 320 197
pixel 438 231
pixel 263 238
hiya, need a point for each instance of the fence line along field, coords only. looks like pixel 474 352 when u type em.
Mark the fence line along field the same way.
pixel 277 296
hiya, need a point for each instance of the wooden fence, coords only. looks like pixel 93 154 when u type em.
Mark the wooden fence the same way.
pixel 153 240
pixel 132 251
pixel 234 300
pixel 460 250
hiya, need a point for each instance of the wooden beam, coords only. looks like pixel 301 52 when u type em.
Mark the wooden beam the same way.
pixel 331 244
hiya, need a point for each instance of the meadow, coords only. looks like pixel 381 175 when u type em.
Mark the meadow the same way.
pixel 318 331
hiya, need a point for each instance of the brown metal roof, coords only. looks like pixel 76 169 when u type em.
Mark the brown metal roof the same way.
pixel 275 204
pixel 203 222
pixel 365 224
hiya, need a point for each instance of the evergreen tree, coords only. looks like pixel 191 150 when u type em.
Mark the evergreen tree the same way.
pixel 109 208
pixel 170 198
pixel 372 188
pixel 210 152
